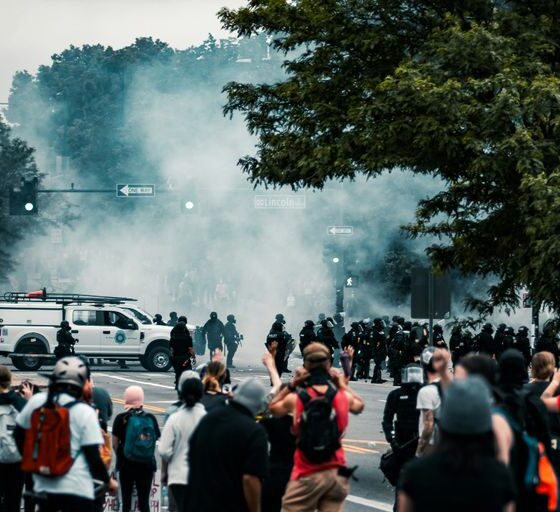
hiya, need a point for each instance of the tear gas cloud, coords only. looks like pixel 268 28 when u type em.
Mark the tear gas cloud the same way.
pixel 224 255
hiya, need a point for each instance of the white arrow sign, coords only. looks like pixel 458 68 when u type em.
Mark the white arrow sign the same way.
pixel 340 230
pixel 136 190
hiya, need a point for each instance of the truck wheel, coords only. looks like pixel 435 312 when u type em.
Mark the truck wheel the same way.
pixel 29 363
pixel 158 359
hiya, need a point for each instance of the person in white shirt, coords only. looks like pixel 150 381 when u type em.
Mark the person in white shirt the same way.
pixel 428 403
pixel 74 490
pixel 174 441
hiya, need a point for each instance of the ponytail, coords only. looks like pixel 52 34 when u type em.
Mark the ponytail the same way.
pixel 191 392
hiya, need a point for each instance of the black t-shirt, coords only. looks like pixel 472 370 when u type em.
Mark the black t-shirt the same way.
pixel 180 340
pixel 227 444
pixel 211 401
pixel 537 389
pixel 119 430
pixel 282 441
pixel 434 487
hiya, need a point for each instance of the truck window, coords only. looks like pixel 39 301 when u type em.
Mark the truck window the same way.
pixel 115 319
pixel 84 317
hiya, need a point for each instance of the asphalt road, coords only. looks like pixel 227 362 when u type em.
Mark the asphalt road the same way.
pixel 364 442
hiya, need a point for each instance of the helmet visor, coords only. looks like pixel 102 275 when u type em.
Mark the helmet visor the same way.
pixel 412 375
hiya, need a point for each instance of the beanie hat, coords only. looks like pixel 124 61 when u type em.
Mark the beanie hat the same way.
pixel 189 374
pixel 133 397
pixel 513 373
pixel 251 394
pixel 466 408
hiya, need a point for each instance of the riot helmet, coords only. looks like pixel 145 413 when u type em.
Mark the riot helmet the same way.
pixel 309 323
pixel 213 315
pixel 412 374
pixel 231 318
pixel 280 318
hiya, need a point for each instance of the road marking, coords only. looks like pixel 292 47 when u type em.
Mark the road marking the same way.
pixel 134 381
pixel 379 505
pixel 158 375
pixel 358 449
pixel 365 441
pixel 152 408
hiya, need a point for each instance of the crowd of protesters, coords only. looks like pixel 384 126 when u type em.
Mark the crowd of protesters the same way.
pixel 470 432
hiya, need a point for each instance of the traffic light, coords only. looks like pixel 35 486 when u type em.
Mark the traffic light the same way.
pixel 189 206
pixel 23 200
pixel 351 281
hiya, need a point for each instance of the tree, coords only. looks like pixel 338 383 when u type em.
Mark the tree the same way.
pixel 467 91
pixel 16 163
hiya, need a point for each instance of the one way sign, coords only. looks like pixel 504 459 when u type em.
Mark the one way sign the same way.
pixel 135 190
pixel 340 230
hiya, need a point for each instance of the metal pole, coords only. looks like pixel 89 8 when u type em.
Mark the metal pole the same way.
pixel 431 305
pixel 535 310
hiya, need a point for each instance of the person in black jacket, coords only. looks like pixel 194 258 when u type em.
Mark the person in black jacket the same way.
pixel 232 338
pixel 65 341
pixel 181 346
pixel 458 344
pixel 548 342
pixel 485 341
pixel 326 335
pixel 352 339
pixel 307 335
pixel 400 416
pixel 158 320
pixel 213 331
pixel 277 343
pixel 378 349
pixel 522 343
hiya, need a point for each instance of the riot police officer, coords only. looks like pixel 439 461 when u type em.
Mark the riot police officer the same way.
pixel 277 337
pixel 548 342
pixel 485 341
pixel 500 340
pixel 458 344
pixel 363 351
pixel 352 339
pixel 158 320
pixel 400 416
pixel 522 343
pixel 307 335
pixel 181 346
pixel 213 330
pixel 378 349
pixel 439 341
pixel 65 340
pixel 326 336
pixel 232 339
pixel 399 351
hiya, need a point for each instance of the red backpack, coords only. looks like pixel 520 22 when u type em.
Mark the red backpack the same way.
pixel 47 450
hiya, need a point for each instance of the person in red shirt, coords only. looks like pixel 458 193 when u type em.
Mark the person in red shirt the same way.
pixel 313 485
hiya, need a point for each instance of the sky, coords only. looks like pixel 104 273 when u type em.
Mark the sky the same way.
pixel 33 30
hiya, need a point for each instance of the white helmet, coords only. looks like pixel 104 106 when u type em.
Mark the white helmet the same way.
pixel 70 370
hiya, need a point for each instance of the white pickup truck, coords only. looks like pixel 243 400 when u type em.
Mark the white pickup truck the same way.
pixel 103 327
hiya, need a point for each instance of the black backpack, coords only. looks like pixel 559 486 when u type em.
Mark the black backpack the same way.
pixel 319 436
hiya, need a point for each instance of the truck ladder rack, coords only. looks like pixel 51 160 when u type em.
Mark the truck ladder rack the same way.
pixel 63 298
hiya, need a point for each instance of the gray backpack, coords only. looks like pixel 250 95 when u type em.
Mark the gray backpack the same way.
pixel 9 454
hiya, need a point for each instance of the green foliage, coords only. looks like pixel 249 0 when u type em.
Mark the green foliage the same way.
pixel 16 163
pixel 84 104
pixel 468 92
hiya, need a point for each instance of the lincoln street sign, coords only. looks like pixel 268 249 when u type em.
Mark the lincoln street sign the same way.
pixel 340 230
pixel 135 190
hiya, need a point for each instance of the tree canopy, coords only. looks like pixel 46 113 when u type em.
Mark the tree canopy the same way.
pixel 16 163
pixel 466 91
